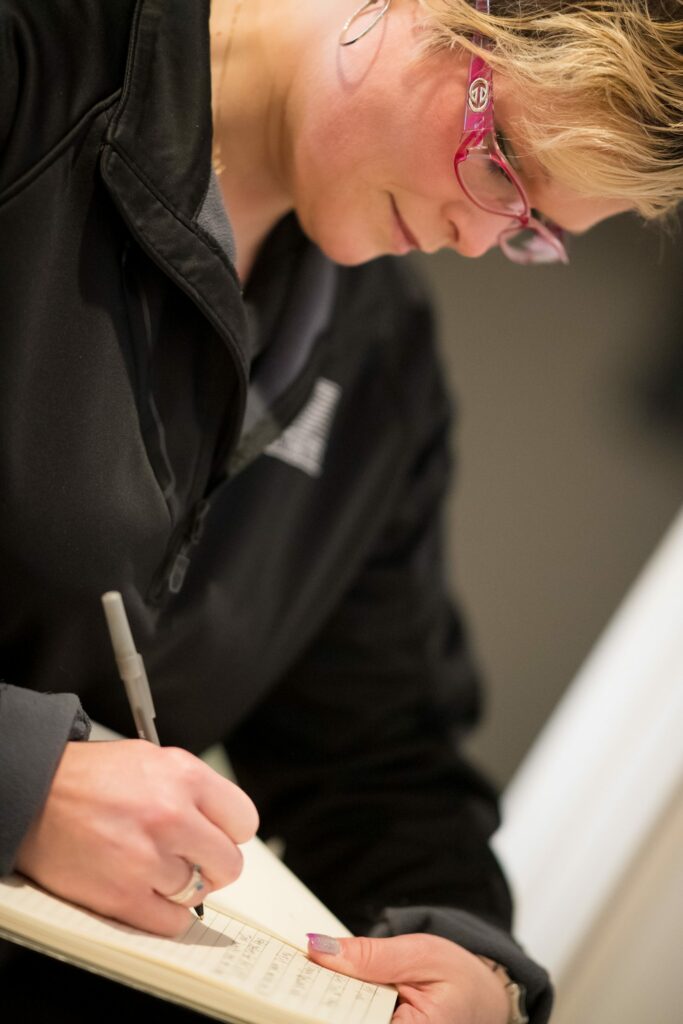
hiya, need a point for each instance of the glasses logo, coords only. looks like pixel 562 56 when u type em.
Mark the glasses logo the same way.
pixel 479 94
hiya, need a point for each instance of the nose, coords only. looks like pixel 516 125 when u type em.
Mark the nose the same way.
pixel 475 231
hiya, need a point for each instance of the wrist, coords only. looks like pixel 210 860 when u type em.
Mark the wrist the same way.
pixel 515 993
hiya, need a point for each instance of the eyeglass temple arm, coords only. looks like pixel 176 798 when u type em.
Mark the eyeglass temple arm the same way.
pixel 479 104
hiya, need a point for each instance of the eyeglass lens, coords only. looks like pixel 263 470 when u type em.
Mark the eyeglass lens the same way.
pixel 526 245
pixel 489 184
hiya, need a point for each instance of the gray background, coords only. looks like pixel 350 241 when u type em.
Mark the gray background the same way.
pixel 568 448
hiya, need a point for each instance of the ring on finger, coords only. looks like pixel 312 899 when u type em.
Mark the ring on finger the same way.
pixel 194 885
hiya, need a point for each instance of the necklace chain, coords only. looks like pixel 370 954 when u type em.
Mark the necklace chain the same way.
pixel 216 156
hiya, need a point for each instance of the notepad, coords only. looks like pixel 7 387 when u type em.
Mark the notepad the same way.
pixel 245 962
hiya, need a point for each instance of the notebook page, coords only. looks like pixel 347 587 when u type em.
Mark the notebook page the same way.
pixel 270 896
pixel 221 950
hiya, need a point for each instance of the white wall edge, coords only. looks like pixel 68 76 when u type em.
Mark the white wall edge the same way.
pixel 603 768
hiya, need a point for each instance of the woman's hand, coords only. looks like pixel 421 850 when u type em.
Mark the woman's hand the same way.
pixel 123 824
pixel 438 981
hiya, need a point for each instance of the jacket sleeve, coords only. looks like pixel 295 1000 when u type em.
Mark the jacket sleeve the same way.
pixel 10 77
pixel 355 763
pixel 34 729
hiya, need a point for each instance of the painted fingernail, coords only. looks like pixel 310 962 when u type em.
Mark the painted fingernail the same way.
pixel 323 943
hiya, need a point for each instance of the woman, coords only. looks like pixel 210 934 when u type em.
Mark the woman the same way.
pixel 236 418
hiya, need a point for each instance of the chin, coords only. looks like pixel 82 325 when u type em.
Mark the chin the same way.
pixel 348 259
pixel 350 254
pixel 347 248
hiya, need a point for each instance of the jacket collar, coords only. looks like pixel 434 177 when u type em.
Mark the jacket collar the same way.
pixel 156 162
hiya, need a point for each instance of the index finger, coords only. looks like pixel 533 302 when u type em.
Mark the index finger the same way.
pixel 228 807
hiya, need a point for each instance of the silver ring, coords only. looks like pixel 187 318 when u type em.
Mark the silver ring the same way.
pixel 194 885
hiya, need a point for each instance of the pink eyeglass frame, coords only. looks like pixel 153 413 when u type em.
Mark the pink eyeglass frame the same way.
pixel 479 133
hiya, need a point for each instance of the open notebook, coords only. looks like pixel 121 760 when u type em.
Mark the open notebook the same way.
pixel 245 962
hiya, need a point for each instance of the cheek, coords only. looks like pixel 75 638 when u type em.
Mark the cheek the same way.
pixel 337 141
pixel 339 178
pixel 346 226
pixel 327 183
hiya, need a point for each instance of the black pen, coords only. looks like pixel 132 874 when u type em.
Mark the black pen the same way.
pixel 132 671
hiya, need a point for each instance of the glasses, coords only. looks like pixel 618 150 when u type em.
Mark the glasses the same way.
pixel 487 179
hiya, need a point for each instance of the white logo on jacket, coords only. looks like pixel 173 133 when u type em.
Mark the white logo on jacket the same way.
pixel 303 443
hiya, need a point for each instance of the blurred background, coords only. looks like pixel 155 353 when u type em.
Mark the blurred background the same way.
pixel 569 442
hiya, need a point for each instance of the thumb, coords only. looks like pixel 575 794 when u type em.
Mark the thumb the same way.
pixel 384 961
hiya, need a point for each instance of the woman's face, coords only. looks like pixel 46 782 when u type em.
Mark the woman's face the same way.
pixel 371 168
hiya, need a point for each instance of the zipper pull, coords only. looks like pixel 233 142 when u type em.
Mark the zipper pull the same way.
pixel 176 577
pixel 180 563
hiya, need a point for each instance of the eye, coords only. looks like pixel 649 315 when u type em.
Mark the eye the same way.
pixel 504 146
pixel 495 170
pixel 494 167
pixel 507 149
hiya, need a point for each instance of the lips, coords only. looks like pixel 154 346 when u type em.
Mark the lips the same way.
pixel 409 237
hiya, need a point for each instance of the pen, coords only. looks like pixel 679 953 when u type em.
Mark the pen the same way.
pixel 132 671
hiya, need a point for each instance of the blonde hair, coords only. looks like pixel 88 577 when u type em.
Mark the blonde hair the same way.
pixel 607 82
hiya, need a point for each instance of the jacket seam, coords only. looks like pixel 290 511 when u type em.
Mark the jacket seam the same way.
pixel 123 153
pixel 33 172
pixel 189 226
pixel 189 223
pixel 120 113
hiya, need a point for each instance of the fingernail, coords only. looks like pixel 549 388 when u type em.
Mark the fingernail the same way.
pixel 323 943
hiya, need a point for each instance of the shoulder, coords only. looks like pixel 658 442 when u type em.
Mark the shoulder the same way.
pixel 69 39
pixel 58 59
